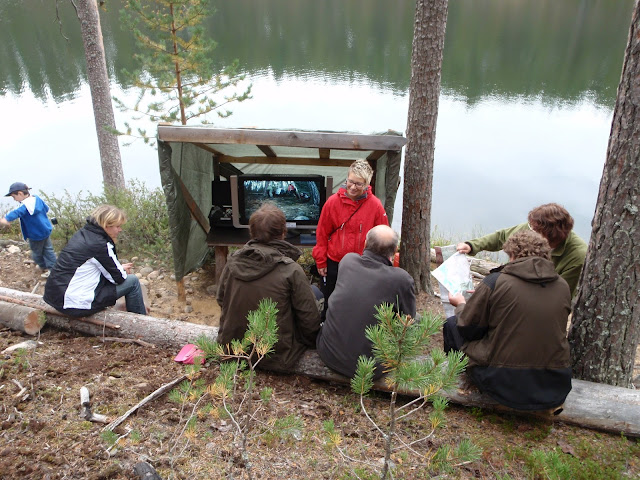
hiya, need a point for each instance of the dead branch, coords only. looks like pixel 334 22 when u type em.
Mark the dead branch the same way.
pixel 128 340
pixel 152 396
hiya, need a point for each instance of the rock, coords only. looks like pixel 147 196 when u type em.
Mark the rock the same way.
pixel 188 309
pixel 189 291
pixel 13 249
pixel 139 275
pixel 144 271
pixel 153 275
pixel 173 276
pixel 134 259
pixel 144 281
pixel 27 345
pixel 636 381
pixel 212 289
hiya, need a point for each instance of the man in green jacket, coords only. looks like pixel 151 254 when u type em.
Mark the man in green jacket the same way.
pixel 554 223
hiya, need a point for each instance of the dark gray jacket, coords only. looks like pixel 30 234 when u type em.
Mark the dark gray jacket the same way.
pixel 363 283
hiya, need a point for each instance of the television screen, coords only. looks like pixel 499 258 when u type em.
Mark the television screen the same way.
pixel 300 197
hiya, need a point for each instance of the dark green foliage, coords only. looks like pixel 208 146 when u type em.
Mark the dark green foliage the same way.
pixel 176 64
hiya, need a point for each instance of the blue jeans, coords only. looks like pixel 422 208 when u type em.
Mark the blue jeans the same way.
pixel 42 253
pixel 132 293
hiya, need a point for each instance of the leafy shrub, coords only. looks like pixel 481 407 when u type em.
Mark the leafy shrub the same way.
pixel 145 233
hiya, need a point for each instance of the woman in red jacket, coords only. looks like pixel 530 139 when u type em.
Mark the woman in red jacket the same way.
pixel 346 218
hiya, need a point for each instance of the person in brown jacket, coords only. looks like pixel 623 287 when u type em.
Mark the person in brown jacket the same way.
pixel 266 268
pixel 513 328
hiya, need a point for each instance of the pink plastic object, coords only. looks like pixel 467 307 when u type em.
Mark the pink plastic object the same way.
pixel 188 354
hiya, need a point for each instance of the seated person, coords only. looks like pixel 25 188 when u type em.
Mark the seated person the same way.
pixel 88 276
pixel 555 224
pixel 363 283
pixel 513 328
pixel 266 268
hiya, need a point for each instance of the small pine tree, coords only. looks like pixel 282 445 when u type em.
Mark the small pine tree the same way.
pixel 234 386
pixel 398 345
pixel 177 64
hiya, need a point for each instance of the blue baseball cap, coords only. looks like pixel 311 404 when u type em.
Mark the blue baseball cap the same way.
pixel 17 187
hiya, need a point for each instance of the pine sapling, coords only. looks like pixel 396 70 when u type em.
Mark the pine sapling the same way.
pixel 399 343
pixel 234 386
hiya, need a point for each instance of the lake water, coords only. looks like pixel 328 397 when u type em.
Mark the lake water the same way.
pixel 528 90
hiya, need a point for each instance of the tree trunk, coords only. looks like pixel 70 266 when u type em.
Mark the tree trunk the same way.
pixel 606 320
pixel 424 92
pixel 112 173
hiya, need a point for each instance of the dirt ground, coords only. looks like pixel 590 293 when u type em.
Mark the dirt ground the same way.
pixel 42 435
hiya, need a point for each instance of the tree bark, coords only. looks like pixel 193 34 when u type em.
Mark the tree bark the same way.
pixel 591 405
pixel 606 320
pixel 112 173
pixel 424 93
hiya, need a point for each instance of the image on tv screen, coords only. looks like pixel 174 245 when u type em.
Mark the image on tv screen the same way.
pixel 300 200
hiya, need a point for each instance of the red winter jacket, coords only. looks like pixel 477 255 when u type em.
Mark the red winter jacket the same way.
pixel 350 236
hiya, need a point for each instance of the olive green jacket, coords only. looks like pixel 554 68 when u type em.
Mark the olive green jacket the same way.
pixel 568 258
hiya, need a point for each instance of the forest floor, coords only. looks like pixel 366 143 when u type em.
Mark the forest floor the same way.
pixel 43 436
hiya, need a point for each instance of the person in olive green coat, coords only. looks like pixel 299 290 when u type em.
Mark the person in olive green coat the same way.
pixel 554 223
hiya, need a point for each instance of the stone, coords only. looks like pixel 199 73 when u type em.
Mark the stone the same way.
pixel 153 275
pixel 13 249
pixel 212 289
pixel 188 309
pixel 144 271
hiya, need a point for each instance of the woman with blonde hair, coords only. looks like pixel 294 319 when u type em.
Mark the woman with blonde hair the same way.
pixel 88 276
pixel 345 220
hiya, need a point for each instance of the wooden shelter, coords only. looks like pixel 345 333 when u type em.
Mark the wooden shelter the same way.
pixel 196 164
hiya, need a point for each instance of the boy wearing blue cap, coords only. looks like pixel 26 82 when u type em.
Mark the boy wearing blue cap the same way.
pixel 34 223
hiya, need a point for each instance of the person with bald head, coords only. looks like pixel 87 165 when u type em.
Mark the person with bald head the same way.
pixel 363 283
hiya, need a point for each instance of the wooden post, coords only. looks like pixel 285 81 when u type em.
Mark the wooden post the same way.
pixel 182 295
pixel 221 253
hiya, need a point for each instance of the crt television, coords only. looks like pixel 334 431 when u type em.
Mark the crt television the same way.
pixel 300 197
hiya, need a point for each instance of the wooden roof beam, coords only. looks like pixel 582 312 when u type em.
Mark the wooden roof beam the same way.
pixel 267 150
pixel 208 149
pixel 335 162
pixel 373 156
pixel 336 141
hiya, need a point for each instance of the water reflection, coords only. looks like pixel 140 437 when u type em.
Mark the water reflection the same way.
pixel 528 89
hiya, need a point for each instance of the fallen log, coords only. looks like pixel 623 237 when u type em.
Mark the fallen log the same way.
pixel 589 405
pixel 24 319
pixel 158 331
